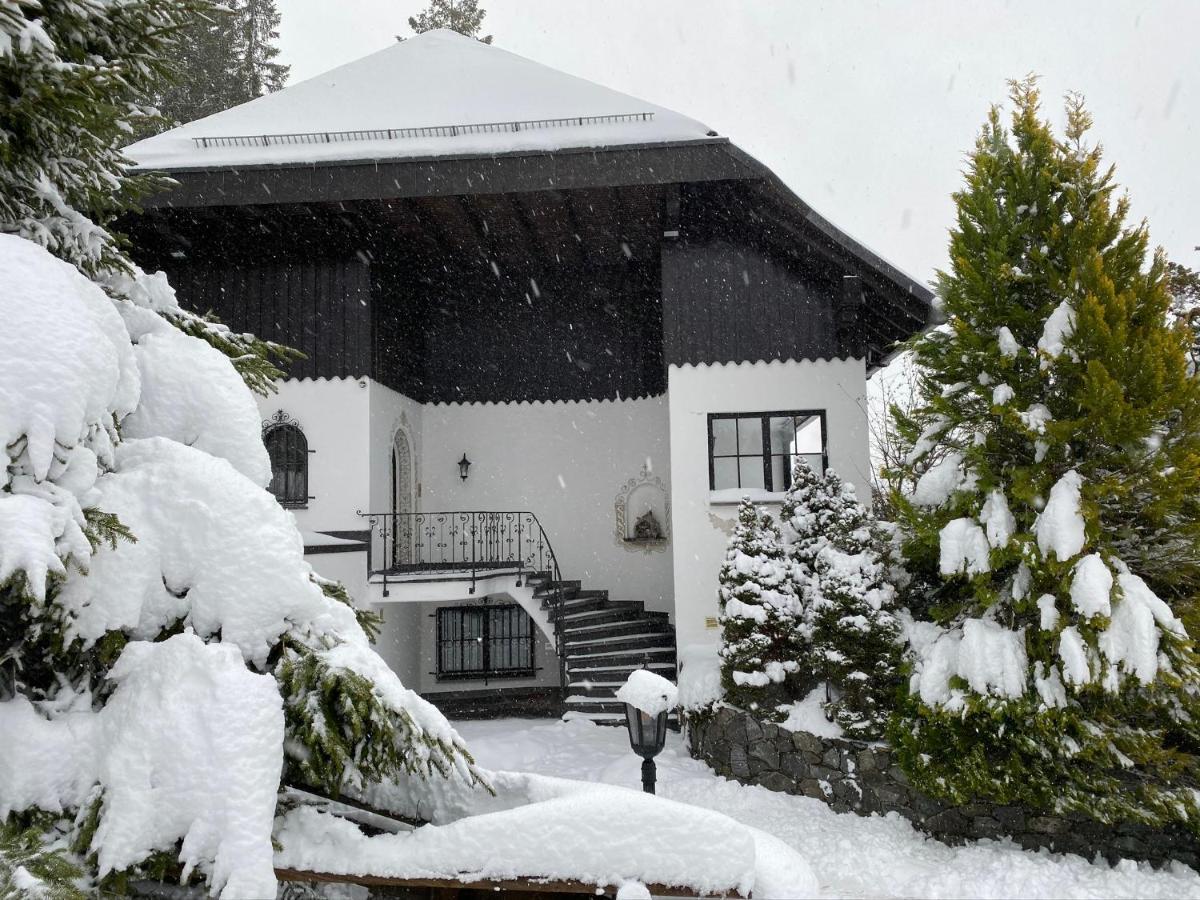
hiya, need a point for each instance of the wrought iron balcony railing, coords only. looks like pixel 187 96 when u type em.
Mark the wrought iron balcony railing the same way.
pixel 472 543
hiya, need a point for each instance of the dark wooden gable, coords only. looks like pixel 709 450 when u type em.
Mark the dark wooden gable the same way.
pixel 569 276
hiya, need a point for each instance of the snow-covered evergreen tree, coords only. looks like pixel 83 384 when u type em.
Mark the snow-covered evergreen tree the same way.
pixel 1054 529
pixel 856 640
pixel 167 657
pixel 840 568
pixel 761 617
pixel 463 16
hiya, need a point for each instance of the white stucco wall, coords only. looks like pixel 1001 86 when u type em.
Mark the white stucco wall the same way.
pixel 334 416
pixel 399 641
pixel 565 462
pixel 701 528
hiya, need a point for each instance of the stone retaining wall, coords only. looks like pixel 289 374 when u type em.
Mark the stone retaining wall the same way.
pixel 852 776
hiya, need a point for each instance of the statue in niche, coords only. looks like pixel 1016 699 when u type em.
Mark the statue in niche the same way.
pixel 646 528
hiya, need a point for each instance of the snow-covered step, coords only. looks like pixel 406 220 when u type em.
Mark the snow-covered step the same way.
pixel 583 643
pixel 613 654
pixel 614 629
pixel 609 613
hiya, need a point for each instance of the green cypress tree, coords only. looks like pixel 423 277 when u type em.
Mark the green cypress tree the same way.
pixel 1056 460
pixel 761 618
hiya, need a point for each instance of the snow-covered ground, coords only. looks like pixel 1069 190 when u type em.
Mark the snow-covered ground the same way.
pixel 852 856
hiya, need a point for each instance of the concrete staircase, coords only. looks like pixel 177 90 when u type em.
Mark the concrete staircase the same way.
pixel 603 641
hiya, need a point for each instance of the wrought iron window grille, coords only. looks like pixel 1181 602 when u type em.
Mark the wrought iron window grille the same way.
pixel 484 642
pixel 288 450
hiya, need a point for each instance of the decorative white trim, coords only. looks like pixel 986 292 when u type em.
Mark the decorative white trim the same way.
pixel 621 509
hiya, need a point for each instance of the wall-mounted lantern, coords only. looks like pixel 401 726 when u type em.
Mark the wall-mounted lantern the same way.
pixel 464 465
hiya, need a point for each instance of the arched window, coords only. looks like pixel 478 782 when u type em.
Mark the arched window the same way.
pixel 288 449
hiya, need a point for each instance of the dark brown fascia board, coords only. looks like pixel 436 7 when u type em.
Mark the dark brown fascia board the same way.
pixel 518 172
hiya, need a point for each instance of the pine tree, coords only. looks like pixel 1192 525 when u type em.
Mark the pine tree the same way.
pixel 761 638
pixel 259 24
pixel 463 16
pixel 1056 460
pixel 225 57
pixel 209 77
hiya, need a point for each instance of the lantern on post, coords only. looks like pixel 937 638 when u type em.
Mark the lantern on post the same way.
pixel 647 698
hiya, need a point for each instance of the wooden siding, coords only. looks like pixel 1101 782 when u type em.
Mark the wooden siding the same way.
pixel 585 334
pixel 727 303
pixel 320 307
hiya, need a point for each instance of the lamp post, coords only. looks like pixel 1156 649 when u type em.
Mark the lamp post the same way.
pixel 648 698
pixel 647 735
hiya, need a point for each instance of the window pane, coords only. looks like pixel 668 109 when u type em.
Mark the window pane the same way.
pixel 808 436
pixel 815 461
pixel 749 437
pixel 725 473
pixel 783 433
pixel 781 474
pixel 724 440
pixel 751 469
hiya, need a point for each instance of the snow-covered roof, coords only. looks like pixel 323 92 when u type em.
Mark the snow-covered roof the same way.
pixel 436 94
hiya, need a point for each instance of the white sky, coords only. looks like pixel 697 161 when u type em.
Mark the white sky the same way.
pixel 864 108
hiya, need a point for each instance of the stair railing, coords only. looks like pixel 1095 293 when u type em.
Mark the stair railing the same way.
pixel 467 541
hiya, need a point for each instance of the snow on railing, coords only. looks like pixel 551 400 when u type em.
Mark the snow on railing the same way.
pixel 392 134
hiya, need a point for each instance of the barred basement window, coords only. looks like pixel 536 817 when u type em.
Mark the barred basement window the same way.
pixel 484 642
pixel 759 450
pixel 288 449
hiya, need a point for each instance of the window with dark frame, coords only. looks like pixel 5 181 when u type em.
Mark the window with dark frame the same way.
pixel 288 449
pixel 759 450
pixel 484 642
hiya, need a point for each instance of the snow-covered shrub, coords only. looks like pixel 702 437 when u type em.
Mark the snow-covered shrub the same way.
pixel 1053 534
pixel 761 617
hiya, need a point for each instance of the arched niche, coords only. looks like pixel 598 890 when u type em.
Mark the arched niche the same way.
pixel 643 513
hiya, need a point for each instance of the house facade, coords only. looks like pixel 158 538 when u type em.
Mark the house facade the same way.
pixel 552 334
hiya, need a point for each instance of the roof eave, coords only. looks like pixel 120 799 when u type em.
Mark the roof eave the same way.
pixel 904 282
